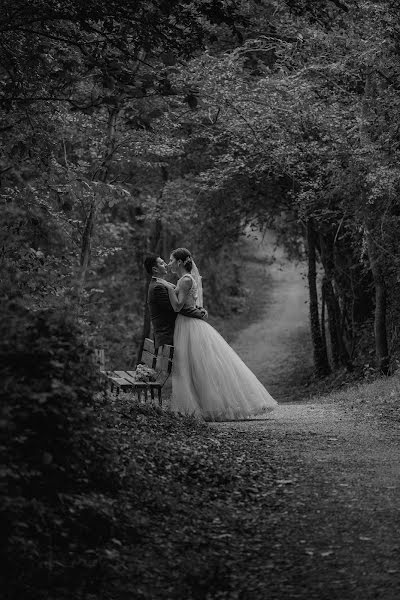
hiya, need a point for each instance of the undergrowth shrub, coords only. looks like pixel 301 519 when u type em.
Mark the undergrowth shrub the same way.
pixel 57 466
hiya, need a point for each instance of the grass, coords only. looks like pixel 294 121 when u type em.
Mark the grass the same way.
pixel 379 398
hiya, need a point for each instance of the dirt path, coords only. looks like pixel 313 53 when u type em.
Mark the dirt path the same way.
pixel 335 533
pixel 277 347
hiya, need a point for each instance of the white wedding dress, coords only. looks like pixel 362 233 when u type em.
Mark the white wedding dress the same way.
pixel 209 380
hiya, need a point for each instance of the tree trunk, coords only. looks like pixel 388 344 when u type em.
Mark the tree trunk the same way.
pixel 339 351
pixel 381 343
pixel 86 247
pixel 321 362
pixel 87 236
pixel 165 244
pixel 323 305
pixel 146 323
pixel 327 301
pixel 153 248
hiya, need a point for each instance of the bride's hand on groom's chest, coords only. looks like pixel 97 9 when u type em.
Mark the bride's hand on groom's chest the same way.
pixel 166 283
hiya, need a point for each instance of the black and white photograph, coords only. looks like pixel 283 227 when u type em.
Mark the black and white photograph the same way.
pixel 200 299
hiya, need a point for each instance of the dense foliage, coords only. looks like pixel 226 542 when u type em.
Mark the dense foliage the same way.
pixel 130 128
pixel 85 169
pixel 301 119
pixel 57 464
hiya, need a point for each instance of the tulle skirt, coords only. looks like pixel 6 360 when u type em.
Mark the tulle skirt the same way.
pixel 209 380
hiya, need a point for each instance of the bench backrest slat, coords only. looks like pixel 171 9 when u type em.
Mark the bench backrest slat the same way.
pixel 164 364
pixel 99 358
pixel 160 360
pixel 149 359
pixel 148 345
pixel 167 351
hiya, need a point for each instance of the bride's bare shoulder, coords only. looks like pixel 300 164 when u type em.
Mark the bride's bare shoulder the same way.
pixel 185 281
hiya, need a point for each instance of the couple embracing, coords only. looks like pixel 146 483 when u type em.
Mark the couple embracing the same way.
pixel 209 380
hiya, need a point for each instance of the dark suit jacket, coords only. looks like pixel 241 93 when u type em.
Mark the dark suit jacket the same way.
pixel 162 314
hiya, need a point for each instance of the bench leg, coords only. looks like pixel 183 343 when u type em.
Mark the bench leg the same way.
pixel 159 397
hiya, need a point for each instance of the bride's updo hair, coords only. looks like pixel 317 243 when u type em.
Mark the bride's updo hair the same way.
pixel 184 255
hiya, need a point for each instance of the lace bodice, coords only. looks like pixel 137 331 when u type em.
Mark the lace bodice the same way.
pixel 192 296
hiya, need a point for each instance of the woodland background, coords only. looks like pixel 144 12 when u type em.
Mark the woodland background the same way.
pixel 136 127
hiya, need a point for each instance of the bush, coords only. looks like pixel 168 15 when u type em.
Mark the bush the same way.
pixel 57 460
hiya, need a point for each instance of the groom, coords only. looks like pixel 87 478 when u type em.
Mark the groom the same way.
pixel 162 314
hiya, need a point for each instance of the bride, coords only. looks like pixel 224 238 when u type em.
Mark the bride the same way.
pixel 209 379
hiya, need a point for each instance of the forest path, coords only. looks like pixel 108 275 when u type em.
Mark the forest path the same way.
pixel 277 347
pixel 330 527
pixel 334 531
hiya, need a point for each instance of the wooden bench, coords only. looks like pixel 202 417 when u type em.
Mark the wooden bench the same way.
pixel 160 360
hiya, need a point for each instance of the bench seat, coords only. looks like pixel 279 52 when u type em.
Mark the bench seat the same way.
pixel 159 360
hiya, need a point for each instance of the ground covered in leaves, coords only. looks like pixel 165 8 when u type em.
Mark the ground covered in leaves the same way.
pixel 300 505
pixel 303 505
pixel 196 499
